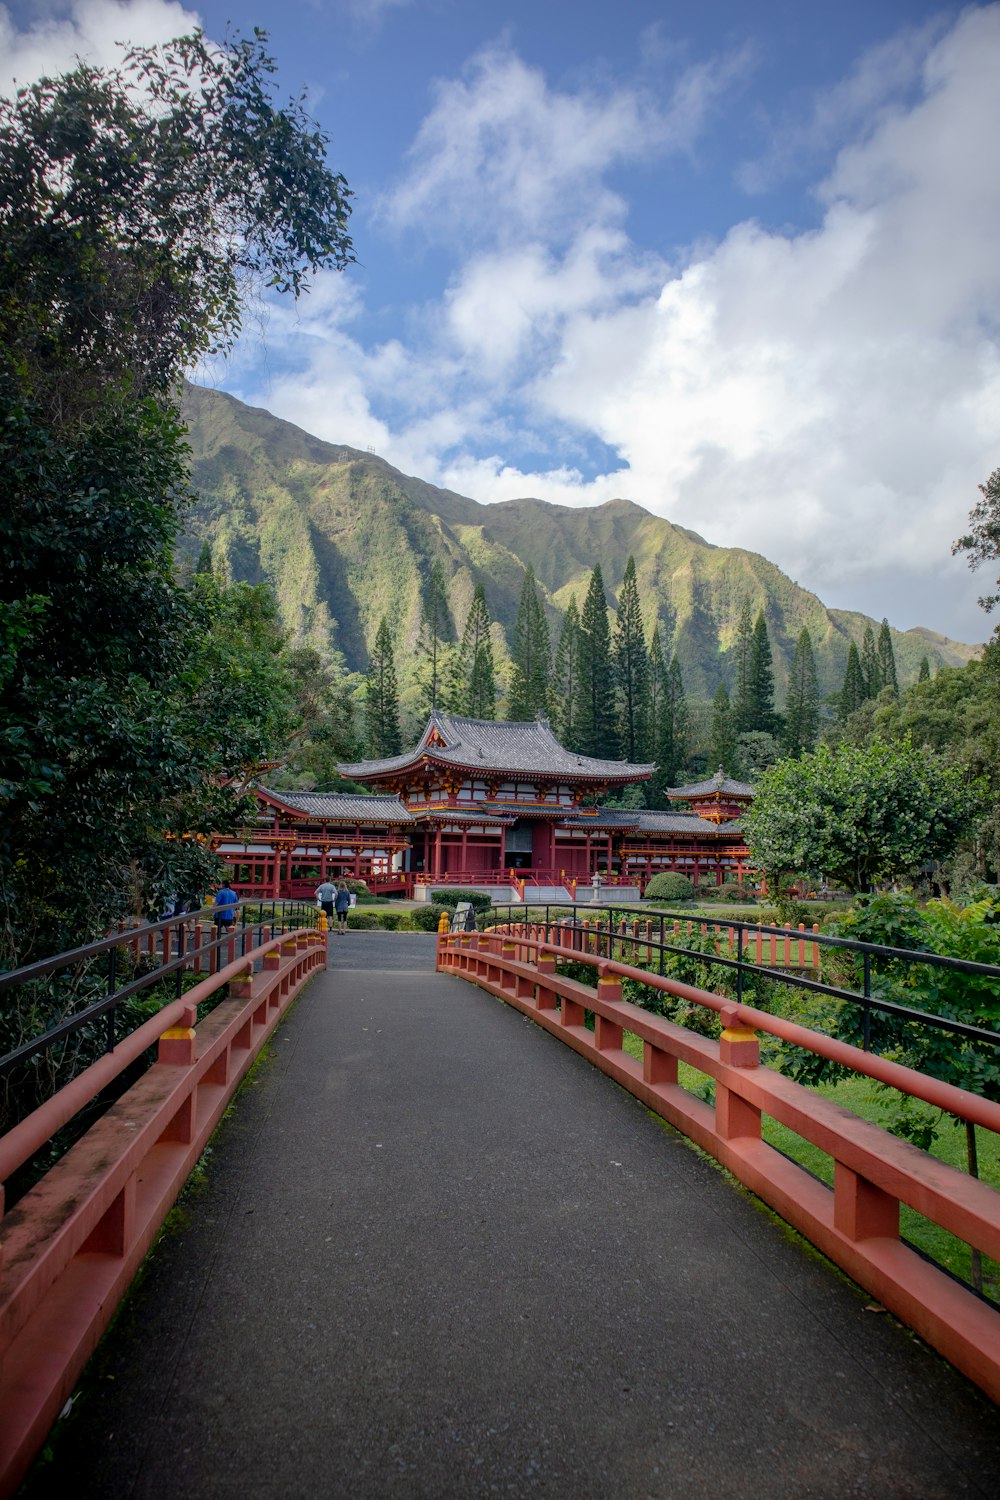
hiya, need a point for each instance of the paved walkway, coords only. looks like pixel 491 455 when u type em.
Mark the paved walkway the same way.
pixel 436 1254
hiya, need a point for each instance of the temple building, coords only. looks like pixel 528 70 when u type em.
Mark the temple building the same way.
pixel 490 804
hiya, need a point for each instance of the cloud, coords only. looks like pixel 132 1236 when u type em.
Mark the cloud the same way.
pixel 827 397
pixel 87 29
pixel 502 153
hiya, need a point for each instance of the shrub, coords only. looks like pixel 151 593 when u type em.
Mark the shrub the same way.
pixel 669 886
pixel 356 887
pixel 478 900
pixel 426 918
pixel 364 921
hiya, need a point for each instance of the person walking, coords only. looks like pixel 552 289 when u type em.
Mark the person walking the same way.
pixel 325 895
pixel 225 904
pixel 342 905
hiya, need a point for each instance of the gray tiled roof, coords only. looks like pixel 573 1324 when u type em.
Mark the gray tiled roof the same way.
pixel 487 745
pixel 654 821
pixel 342 807
pixel 720 782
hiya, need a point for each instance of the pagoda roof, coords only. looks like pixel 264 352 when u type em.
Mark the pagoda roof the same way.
pixel 719 785
pixel 338 807
pixel 653 821
pixel 480 745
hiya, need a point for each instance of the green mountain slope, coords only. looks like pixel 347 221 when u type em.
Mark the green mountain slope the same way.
pixel 344 538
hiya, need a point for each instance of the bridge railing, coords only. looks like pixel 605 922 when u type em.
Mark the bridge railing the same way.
pixel 72 1243
pixel 784 955
pixel 856 1221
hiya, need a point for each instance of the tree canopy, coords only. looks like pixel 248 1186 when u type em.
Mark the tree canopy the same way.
pixel 138 206
pixel 859 814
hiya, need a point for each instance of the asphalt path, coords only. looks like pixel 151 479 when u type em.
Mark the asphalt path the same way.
pixel 434 1253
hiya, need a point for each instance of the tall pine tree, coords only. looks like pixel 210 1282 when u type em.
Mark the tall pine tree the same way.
pixel 870 670
pixel 722 747
pixel 529 686
pixel 631 668
pixel 566 679
pixel 381 697
pixel 671 751
pixel 436 631
pixel 475 685
pixel 760 712
pixel 887 660
pixel 802 707
pixel 743 708
pixel 924 674
pixel 597 693
pixel 853 692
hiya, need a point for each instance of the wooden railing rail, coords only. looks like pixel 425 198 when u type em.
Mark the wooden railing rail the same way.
pixel 70 1247
pixel 856 1222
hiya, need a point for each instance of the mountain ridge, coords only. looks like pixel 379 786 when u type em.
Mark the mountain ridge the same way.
pixel 342 538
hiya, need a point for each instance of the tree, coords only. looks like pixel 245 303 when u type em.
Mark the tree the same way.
pixel 566 679
pixel 853 692
pixel 759 715
pixel 802 707
pixel 531 656
pixel 382 697
pixel 860 815
pixel 722 748
pixel 982 542
pixel 631 669
pixel 672 747
pixel 924 674
pixel 871 671
pixel 324 733
pixel 437 630
pixel 475 679
pixel 887 677
pixel 596 713
pixel 743 707
pixel 136 208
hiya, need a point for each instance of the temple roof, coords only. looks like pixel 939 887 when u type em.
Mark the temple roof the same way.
pixel 654 821
pixel 480 745
pixel 339 807
pixel 718 785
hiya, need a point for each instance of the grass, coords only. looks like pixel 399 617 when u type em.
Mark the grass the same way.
pixel 864 1098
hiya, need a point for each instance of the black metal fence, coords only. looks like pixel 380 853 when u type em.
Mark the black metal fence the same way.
pixel 65 1011
pixel 591 923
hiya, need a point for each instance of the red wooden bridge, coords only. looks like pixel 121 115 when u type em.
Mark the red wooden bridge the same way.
pixel 433 1253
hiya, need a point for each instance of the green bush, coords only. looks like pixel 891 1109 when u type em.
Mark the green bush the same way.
pixel 363 921
pixel 356 887
pixel 478 900
pixel 426 918
pixel 669 886
pixel 392 921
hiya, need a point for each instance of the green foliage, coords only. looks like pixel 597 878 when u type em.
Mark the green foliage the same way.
pixel 802 704
pixel 596 711
pixel 972 933
pixel 887 677
pixel 566 679
pixel 382 735
pixel 136 206
pixel 474 691
pixel 858 814
pixel 853 693
pixel 982 541
pixel 631 671
pixel 722 749
pixel 671 747
pixel 478 900
pixel 759 715
pixel 529 685
pixel 669 885
pixel 427 918
pixel 743 706
pixel 437 631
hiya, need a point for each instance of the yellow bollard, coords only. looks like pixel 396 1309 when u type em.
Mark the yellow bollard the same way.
pixel 321 922
pixel 444 925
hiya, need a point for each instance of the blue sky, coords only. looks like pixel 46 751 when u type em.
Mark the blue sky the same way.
pixel 736 262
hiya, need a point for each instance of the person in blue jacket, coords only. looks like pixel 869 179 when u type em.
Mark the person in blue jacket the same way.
pixel 225 907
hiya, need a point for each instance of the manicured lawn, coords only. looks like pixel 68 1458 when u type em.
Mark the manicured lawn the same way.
pixel 863 1097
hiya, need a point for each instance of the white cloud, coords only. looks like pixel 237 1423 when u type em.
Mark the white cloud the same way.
pixel 828 398
pixel 502 154
pixel 84 29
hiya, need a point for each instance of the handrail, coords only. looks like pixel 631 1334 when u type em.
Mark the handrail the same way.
pixel 744 966
pixel 856 1220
